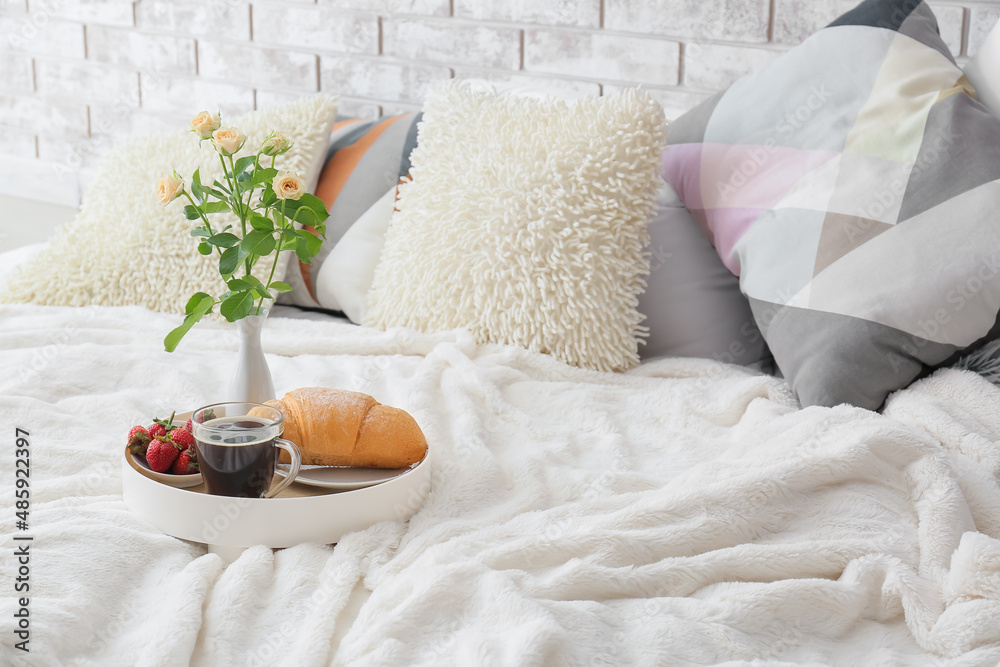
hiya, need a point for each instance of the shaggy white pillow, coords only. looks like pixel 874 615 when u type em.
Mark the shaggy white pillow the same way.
pixel 124 248
pixel 525 222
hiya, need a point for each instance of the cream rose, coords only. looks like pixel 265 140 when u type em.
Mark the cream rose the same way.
pixel 169 188
pixel 276 144
pixel 228 140
pixel 204 124
pixel 287 185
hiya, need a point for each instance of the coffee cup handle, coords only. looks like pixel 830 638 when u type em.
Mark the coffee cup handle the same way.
pixel 293 453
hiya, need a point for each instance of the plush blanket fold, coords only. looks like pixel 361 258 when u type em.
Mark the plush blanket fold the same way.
pixel 686 512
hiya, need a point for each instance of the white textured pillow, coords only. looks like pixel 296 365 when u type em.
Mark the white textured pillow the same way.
pixel 525 222
pixel 124 248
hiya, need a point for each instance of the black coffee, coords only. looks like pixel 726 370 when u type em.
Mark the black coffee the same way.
pixel 240 461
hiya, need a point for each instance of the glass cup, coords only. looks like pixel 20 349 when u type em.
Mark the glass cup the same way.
pixel 237 446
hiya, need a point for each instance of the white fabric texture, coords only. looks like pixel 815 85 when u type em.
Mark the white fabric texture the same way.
pixel 125 248
pixel 685 512
pixel 525 222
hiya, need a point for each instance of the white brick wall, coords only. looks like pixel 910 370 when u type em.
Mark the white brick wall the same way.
pixel 77 76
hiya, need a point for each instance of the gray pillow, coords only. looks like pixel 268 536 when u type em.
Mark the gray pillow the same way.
pixel 692 303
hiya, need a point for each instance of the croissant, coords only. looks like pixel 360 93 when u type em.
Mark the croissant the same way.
pixel 334 427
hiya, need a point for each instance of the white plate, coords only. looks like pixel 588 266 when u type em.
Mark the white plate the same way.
pixel 343 478
pixel 180 481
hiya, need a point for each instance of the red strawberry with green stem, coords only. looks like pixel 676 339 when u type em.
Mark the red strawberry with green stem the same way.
pixel 161 454
pixel 182 437
pixel 162 426
pixel 186 463
pixel 138 440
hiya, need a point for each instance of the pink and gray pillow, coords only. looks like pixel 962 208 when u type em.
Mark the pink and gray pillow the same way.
pixel 852 185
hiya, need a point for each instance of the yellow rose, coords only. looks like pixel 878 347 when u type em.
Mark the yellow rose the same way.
pixel 276 144
pixel 228 140
pixel 287 185
pixel 204 124
pixel 169 188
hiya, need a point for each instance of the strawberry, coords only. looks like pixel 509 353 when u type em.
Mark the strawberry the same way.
pixel 186 463
pixel 138 439
pixel 162 426
pixel 161 454
pixel 182 437
pixel 187 426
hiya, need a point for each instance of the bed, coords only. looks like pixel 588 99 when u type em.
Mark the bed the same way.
pixel 682 511
pixel 687 512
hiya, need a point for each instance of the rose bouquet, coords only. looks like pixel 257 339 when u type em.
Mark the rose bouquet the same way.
pixel 267 203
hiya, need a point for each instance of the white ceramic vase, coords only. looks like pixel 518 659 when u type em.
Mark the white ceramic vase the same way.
pixel 251 381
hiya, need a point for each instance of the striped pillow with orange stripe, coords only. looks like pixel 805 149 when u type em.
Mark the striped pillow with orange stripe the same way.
pixel 364 163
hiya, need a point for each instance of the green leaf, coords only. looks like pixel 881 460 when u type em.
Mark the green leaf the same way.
pixel 215 207
pixel 203 303
pixel 237 306
pixel 268 197
pixel 262 175
pixel 230 260
pixel 220 186
pixel 224 240
pixel 308 246
pixel 279 286
pixel 258 286
pixel 260 222
pixel 312 242
pixel 195 302
pixel 197 190
pixel 215 192
pixel 191 212
pixel 257 242
pixel 204 248
pixel 304 215
pixel 200 231
pixel 244 163
pixel 315 204
pixel 308 210
pixel 239 285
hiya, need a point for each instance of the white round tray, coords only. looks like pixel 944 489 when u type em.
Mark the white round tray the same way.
pixel 298 514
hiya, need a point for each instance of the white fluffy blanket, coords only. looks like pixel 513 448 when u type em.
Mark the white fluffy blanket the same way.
pixel 683 513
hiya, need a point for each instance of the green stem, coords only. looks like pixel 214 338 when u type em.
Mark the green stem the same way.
pixel 270 277
pixel 208 225
pixel 232 191
pixel 243 208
